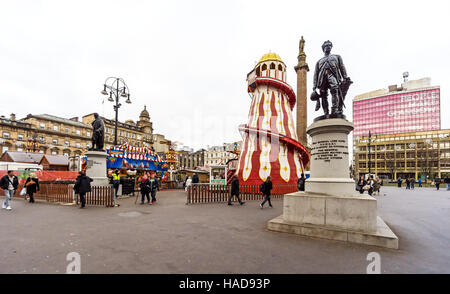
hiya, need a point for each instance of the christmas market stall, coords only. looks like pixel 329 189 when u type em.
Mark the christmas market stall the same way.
pixel 133 162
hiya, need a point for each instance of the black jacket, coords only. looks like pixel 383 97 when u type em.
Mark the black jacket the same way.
pixel 154 186
pixel 145 186
pixel 267 187
pixel 195 179
pixel 235 186
pixel 4 182
pixel 34 187
pixel 301 184
pixel 83 184
pixel 447 180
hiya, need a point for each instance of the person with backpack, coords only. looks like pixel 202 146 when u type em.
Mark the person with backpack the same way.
pixel 145 189
pixel 82 186
pixel 234 190
pixel 9 184
pixel 407 180
pixel 32 186
pixel 265 188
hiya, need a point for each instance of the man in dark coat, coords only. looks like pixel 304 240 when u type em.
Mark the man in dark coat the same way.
pixel 234 191
pixel 330 74
pixel 195 179
pixel 82 186
pixel 98 133
pixel 9 184
pixel 267 187
pixel 437 182
pixel 301 183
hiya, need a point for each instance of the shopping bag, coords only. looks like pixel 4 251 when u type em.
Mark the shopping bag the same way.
pixel 23 192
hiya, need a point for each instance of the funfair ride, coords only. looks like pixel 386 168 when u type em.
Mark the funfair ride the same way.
pixel 270 145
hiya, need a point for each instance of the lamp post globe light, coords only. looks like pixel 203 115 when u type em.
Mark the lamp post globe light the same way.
pixel 117 88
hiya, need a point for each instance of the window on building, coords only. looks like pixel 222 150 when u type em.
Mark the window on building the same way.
pixel 4 148
pixel 78 144
pixel 66 154
pixel 42 125
pixel 138 137
pixel 20 149
pixel 54 152
pixel 42 139
pixel 55 128
pixel 67 143
pixel 55 141
pixel 78 132
pixel 67 130
pixel 88 134
pixel 5 134
pixel 20 137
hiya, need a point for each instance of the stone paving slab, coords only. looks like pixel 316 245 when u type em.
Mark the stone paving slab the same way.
pixel 172 237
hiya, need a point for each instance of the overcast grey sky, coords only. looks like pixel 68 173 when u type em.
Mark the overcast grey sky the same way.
pixel 188 60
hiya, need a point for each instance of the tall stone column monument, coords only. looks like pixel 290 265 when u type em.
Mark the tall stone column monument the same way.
pixel 301 69
pixel 330 207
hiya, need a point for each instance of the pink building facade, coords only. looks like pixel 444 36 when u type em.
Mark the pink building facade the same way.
pixel 398 112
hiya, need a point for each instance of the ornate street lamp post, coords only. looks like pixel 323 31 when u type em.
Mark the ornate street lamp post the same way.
pixel 117 88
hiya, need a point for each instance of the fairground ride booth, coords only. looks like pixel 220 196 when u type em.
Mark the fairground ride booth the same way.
pixel 133 163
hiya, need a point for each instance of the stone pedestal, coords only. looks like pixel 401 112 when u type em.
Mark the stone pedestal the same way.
pixel 330 207
pixel 96 167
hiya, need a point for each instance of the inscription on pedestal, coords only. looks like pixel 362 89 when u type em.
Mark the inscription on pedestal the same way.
pixel 327 150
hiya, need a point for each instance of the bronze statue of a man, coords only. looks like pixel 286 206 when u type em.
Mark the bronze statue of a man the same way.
pixel 98 133
pixel 330 74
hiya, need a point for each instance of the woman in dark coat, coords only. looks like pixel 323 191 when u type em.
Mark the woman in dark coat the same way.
pixel 32 186
pixel 234 191
pixel 82 186
pixel 145 189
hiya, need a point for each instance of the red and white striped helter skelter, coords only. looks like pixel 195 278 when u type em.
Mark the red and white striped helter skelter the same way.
pixel 270 146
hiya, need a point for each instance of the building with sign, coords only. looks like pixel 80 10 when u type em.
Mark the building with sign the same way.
pixel 406 139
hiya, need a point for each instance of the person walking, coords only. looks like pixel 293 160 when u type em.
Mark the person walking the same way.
pixel 301 182
pixel 32 186
pixel 407 183
pixel 9 184
pixel 195 179
pixel 266 188
pixel 116 183
pixel 412 182
pixel 447 182
pixel 188 183
pixel 234 191
pixel 420 182
pixel 361 183
pixel 82 186
pixel 399 182
pixel 437 182
pixel 145 189
pixel 154 186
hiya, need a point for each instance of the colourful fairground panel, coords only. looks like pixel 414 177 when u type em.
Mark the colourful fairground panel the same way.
pixel 130 157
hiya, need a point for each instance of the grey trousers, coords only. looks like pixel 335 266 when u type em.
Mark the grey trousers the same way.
pixel 9 194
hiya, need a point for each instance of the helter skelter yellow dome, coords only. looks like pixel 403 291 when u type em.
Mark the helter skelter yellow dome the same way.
pixel 270 56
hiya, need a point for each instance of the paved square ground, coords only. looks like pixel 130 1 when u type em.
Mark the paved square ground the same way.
pixel 172 237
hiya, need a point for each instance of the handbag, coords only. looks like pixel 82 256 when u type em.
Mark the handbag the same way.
pixel 23 192
pixel 366 187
